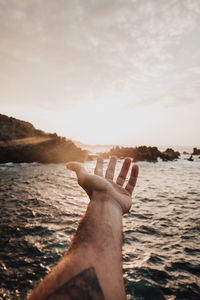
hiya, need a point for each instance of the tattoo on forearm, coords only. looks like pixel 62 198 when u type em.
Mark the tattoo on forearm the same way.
pixel 84 286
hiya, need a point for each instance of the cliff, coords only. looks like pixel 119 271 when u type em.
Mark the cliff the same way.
pixel 11 128
pixel 20 142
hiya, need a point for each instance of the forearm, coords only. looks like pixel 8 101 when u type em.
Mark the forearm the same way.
pixel 100 228
pixel 95 248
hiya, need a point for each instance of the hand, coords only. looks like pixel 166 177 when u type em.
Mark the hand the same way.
pixel 105 185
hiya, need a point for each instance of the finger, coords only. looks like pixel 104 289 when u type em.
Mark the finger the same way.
pixel 124 170
pixel 111 168
pixel 133 179
pixel 78 168
pixel 99 167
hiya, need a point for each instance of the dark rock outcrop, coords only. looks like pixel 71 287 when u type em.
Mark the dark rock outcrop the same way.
pixel 142 153
pixel 21 142
pixel 11 128
pixel 169 154
pixel 190 158
pixel 196 151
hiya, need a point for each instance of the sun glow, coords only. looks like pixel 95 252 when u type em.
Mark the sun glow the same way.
pixel 110 121
pixel 94 122
pixel 106 122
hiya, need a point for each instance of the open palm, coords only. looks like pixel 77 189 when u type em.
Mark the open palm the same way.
pixel 98 183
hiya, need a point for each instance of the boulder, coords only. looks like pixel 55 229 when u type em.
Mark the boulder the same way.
pixel 170 154
pixel 196 151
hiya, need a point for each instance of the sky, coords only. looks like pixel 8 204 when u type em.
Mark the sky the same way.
pixel 103 72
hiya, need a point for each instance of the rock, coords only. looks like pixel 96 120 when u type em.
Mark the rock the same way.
pixel 21 142
pixel 170 154
pixel 190 158
pixel 196 151
pixel 142 153
pixel 11 128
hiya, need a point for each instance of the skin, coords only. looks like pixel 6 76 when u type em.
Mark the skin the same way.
pixel 92 265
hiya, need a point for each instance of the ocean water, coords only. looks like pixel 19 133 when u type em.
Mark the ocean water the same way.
pixel 41 206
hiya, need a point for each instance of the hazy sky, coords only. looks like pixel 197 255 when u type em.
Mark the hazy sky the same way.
pixel 103 71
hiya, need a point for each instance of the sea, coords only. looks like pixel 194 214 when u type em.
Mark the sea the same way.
pixel 41 205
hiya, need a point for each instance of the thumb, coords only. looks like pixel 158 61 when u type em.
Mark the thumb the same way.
pixel 81 174
pixel 78 168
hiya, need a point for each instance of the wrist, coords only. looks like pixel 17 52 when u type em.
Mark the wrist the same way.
pixel 102 198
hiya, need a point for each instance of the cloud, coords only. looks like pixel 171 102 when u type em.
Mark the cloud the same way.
pixel 59 53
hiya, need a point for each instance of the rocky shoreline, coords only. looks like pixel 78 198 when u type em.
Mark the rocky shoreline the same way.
pixel 21 142
pixel 54 150
pixel 142 153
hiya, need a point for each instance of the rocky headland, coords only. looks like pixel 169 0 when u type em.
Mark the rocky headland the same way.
pixel 142 153
pixel 21 142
